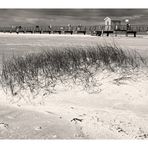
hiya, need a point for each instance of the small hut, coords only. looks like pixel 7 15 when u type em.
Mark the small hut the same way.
pixel 112 24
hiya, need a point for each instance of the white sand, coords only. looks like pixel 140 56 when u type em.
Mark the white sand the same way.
pixel 118 110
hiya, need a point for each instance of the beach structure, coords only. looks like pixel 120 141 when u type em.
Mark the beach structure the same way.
pixel 112 24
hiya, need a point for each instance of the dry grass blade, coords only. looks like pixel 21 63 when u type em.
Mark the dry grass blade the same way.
pixel 45 69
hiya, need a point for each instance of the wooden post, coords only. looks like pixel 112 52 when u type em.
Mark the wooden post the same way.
pixel 102 32
pixel 115 33
pixel 126 34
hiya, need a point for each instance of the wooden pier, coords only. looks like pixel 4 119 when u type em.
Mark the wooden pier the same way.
pixel 97 30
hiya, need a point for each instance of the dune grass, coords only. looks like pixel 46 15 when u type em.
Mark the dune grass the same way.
pixel 46 69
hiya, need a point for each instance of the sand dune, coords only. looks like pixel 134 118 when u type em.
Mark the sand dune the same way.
pixel 16 123
pixel 115 109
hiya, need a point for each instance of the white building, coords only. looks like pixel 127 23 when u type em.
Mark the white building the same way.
pixel 111 24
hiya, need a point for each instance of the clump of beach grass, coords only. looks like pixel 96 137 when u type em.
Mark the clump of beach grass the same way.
pixel 46 69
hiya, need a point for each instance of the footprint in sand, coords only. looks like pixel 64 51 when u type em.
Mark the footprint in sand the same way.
pixel 3 126
pixel 10 117
pixel 54 136
pixel 38 128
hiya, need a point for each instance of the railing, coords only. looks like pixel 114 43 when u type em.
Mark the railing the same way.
pixel 75 29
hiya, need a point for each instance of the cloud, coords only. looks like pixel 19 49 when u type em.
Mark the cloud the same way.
pixel 66 16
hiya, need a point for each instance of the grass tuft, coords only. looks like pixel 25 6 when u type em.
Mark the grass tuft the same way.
pixel 46 69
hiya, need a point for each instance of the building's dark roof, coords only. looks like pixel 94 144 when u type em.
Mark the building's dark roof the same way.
pixel 116 20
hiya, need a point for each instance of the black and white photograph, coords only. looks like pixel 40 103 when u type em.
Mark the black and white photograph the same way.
pixel 74 73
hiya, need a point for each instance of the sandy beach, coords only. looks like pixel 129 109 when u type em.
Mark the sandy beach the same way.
pixel 115 109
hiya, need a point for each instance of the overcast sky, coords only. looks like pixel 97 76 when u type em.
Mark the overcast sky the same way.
pixel 9 17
